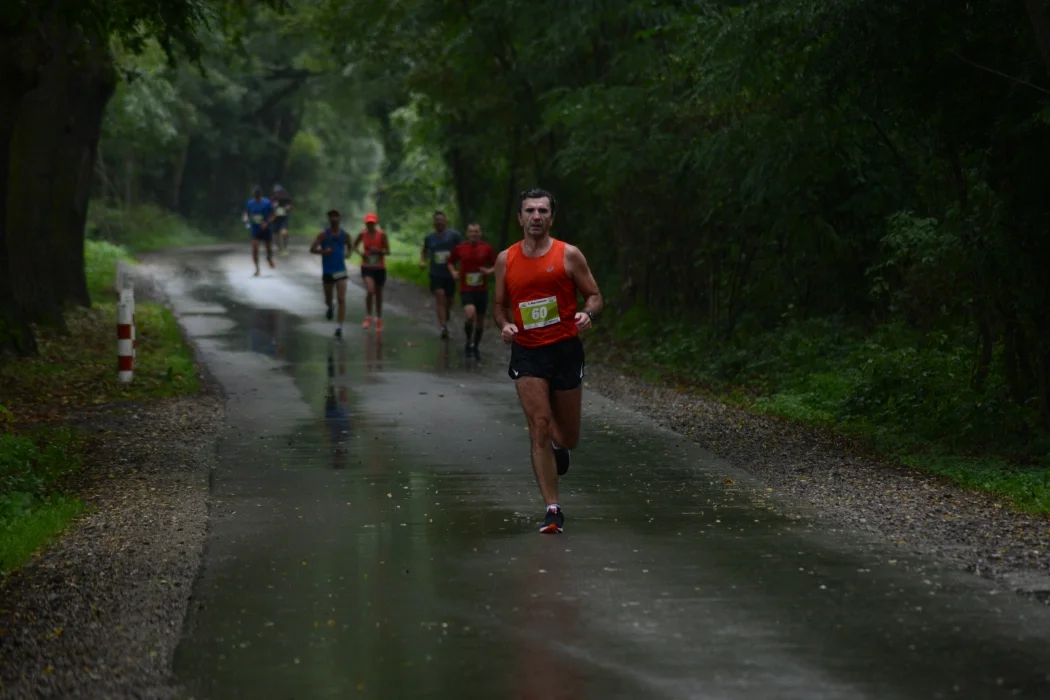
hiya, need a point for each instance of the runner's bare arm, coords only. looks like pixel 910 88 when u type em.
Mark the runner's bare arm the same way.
pixel 346 246
pixel 452 260
pixel 499 304
pixel 386 245
pixel 316 247
pixel 492 264
pixel 423 255
pixel 357 245
pixel 580 273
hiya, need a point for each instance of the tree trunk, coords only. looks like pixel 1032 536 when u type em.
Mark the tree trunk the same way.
pixel 39 133
pixel 180 170
pixel 22 52
pixel 987 347
pixel 512 178
pixel 91 85
pixel 459 180
pixel 15 334
pixel 1040 19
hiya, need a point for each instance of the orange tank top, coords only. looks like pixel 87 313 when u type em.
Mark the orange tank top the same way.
pixel 542 296
pixel 372 246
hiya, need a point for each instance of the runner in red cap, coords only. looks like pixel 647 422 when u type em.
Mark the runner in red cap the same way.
pixel 373 246
pixel 476 260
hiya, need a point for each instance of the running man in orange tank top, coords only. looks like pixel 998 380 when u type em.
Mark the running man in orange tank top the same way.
pixel 538 282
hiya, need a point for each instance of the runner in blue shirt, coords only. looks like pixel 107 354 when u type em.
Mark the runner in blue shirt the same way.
pixel 333 245
pixel 258 211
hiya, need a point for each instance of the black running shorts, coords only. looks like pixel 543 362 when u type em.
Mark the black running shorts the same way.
pixel 479 300
pixel 376 273
pixel 446 283
pixel 561 363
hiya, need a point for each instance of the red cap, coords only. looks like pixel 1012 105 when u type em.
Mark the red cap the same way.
pixel 371 218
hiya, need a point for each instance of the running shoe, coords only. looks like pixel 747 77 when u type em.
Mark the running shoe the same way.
pixel 379 325
pixel 272 263
pixel 553 521
pixel 338 332
pixel 477 354
pixel 561 458
pixel 367 323
pixel 329 313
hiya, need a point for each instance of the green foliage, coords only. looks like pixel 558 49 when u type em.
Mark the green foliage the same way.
pixel 100 265
pixel 141 229
pixel 32 511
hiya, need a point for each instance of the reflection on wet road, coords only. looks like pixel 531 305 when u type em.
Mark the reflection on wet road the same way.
pixel 373 534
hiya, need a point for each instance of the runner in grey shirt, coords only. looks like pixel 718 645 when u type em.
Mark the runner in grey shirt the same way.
pixel 437 246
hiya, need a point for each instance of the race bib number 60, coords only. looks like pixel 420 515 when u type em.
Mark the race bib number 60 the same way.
pixel 539 313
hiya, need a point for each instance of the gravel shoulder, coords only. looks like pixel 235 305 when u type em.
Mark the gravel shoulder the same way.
pixel 826 478
pixel 100 613
pixel 829 480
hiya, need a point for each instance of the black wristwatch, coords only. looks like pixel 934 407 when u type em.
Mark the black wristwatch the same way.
pixel 589 315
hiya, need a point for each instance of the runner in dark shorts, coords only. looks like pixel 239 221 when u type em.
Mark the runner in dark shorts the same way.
pixel 476 260
pixel 537 283
pixel 437 247
pixel 258 213
pixel 373 247
pixel 333 245
pixel 282 208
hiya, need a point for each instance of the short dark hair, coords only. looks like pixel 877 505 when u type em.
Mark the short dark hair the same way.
pixel 334 211
pixel 537 193
pixel 473 223
pixel 440 213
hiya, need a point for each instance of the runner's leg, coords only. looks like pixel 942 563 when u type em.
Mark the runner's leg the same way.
pixel 370 285
pixel 379 299
pixel 269 251
pixel 255 254
pixel 340 294
pixel 327 293
pixel 534 394
pixel 441 303
pixel 470 313
pixel 565 411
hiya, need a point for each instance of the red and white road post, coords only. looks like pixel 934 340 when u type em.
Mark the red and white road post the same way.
pixel 125 324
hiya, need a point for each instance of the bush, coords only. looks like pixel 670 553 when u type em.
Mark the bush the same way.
pixel 100 266
pixel 143 228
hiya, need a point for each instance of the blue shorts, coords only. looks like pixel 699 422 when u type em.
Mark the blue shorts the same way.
pixel 262 234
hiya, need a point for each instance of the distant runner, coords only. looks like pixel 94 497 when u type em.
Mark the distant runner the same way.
pixel 373 247
pixel 476 260
pixel 333 245
pixel 437 246
pixel 259 213
pixel 537 281
pixel 282 207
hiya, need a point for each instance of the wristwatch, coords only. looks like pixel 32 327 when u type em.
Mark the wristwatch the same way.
pixel 589 315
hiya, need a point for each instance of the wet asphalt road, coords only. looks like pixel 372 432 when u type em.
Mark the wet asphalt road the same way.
pixel 373 534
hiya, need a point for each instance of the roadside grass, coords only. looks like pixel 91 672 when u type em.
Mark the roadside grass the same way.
pixel 903 395
pixel 32 508
pixel 403 263
pixel 74 370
